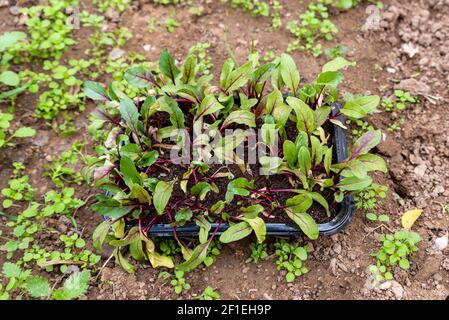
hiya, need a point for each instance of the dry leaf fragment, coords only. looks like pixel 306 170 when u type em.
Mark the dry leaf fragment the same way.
pixel 409 218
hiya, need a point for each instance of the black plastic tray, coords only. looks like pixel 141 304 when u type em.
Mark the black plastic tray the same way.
pixel 340 221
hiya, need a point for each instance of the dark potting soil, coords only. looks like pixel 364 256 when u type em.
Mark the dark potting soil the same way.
pixel 279 181
pixel 165 170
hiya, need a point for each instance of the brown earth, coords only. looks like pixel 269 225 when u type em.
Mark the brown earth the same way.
pixel 410 50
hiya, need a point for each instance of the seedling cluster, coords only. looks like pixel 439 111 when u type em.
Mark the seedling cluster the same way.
pixel 396 250
pixel 134 162
pixel 144 186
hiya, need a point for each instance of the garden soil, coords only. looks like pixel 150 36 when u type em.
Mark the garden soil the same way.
pixel 408 48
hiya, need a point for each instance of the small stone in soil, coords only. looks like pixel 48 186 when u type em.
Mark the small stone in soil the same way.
pixel 14 10
pixel 336 248
pixel 420 170
pixel 440 243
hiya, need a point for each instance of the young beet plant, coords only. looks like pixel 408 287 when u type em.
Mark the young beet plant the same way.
pixel 169 155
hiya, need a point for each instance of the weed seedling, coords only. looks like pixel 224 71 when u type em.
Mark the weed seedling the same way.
pixel 105 5
pixel 361 127
pixel 258 252
pixel 395 250
pixel 338 51
pixel 61 203
pixel 209 294
pixel 171 24
pixel 375 217
pixel 367 199
pixel 291 257
pixel 312 25
pixel 151 24
pixel 19 190
pixel 18 167
pixel 5 138
pixel 179 283
pixel 400 101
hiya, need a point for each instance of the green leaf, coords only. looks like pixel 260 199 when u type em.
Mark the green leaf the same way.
pixel 270 165
pixel 38 287
pixel 373 162
pixel 162 194
pixel 384 218
pixel 197 257
pixel 236 232
pixel 359 107
pixel 10 93
pixel 80 243
pixel 237 78
pixel 167 65
pixel 7 203
pixel 31 211
pixel 201 189
pixel 305 222
pixel 208 106
pixel 281 114
pixel 10 38
pixel 138 192
pixel 262 74
pixel 240 117
pixel 289 73
pixel 95 91
pixel 321 200
pixel 130 114
pixel 9 78
pixel 317 151
pixel 136 250
pixel 240 186
pixel 130 237
pixel 131 150
pixel 76 285
pixel 305 116
pixel 251 211
pixel 129 172
pixel 183 216
pixel 226 70
pixel 112 208
pixel 404 264
pixel 388 276
pixel 205 227
pixel 99 235
pixel 259 227
pixel 290 277
pixel 301 253
pixel 371 216
pixel 299 203
pixel 321 115
pixel 24 132
pixel 365 143
pixel 354 183
pixel 155 258
pixel 124 263
pixel 304 161
pixel 139 77
pixel 189 69
pixel 11 270
pixel 148 159
pixel 290 153
pixel 329 79
pixel 338 64
pixel 355 168
pixel 328 160
pixel 274 100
